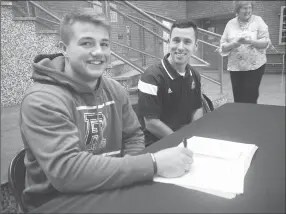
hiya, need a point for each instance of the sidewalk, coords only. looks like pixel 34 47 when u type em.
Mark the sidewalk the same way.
pixel 271 93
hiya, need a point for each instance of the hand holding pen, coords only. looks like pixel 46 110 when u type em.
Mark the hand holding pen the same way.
pixel 173 162
pixel 185 142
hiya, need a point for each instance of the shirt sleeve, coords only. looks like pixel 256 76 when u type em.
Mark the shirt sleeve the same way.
pixel 263 33
pixel 262 30
pixel 149 95
pixel 132 135
pixel 224 39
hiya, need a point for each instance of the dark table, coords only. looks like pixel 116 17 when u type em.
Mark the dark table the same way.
pixel 264 184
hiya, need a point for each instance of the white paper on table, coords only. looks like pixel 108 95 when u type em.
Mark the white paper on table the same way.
pixel 219 167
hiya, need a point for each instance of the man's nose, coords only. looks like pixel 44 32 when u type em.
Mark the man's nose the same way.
pixel 96 50
pixel 181 45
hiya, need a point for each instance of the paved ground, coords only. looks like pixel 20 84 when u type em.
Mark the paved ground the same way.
pixel 271 93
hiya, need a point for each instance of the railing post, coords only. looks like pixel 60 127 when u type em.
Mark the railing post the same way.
pixel 282 73
pixel 221 76
pixel 28 8
pixel 106 9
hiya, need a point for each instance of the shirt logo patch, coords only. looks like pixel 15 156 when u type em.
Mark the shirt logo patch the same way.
pixel 95 124
pixel 193 85
pixel 169 91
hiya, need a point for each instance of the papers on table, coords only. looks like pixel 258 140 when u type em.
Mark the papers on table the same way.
pixel 219 167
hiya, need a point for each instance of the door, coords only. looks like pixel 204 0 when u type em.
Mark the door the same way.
pixel 209 54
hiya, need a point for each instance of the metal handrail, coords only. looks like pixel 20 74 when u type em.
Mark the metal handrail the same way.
pixel 143 20
pixel 134 21
pixel 201 60
pixel 210 79
pixel 160 16
pixel 207 43
pixel 170 20
pixel 44 10
pixel 136 50
pixel 47 20
pixel 146 15
pixel 127 62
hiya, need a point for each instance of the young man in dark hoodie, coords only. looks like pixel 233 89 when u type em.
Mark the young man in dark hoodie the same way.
pixel 78 127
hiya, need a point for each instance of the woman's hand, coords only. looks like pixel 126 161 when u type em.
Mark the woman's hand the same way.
pixel 244 40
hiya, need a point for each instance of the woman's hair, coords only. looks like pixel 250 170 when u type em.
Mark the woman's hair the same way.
pixel 239 4
pixel 81 15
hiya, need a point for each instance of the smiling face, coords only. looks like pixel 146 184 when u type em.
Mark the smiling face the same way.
pixel 245 12
pixel 88 52
pixel 182 45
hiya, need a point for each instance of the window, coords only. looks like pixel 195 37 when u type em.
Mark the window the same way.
pixel 97 6
pixel 113 14
pixel 282 30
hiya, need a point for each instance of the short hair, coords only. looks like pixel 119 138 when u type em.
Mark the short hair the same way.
pixel 81 15
pixel 239 4
pixel 185 23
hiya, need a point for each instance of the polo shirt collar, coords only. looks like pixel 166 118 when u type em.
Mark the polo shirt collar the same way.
pixel 172 73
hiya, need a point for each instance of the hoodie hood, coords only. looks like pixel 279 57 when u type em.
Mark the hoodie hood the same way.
pixel 51 67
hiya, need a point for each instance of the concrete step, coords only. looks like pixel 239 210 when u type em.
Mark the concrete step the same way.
pixel 118 67
pixel 128 79
pixel 127 75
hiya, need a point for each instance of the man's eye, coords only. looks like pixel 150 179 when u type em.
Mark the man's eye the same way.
pixel 105 44
pixel 86 43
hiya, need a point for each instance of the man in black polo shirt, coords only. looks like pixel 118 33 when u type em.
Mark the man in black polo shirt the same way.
pixel 170 92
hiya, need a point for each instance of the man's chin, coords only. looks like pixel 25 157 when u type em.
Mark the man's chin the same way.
pixel 180 62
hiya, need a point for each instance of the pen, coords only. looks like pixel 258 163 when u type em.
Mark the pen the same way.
pixel 185 142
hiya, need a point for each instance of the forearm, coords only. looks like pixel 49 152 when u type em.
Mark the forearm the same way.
pixel 197 114
pixel 157 127
pixel 132 135
pixel 133 142
pixel 83 173
pixel 259 44
pixel 229 46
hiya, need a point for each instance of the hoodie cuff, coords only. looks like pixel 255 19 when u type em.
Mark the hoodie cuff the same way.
pixel 142 167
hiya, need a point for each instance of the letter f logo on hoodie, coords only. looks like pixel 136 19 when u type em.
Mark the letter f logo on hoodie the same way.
pixel 95 126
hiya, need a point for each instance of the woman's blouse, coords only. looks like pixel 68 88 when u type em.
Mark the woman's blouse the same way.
pixel 245 57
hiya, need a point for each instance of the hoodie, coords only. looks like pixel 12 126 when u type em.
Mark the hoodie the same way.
pixel 74 135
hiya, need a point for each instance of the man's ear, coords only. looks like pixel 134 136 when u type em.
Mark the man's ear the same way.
pixel 196 46
pixel 63 47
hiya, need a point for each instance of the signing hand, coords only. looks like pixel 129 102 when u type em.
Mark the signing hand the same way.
pixel 173 162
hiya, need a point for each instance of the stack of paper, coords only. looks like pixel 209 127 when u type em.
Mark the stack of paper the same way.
pixel 219 167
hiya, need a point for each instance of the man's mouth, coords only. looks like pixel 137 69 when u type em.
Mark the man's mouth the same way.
pixel 95 62
pixel 180 54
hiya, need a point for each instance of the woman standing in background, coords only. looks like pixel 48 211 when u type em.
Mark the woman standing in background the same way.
pixel 245 40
